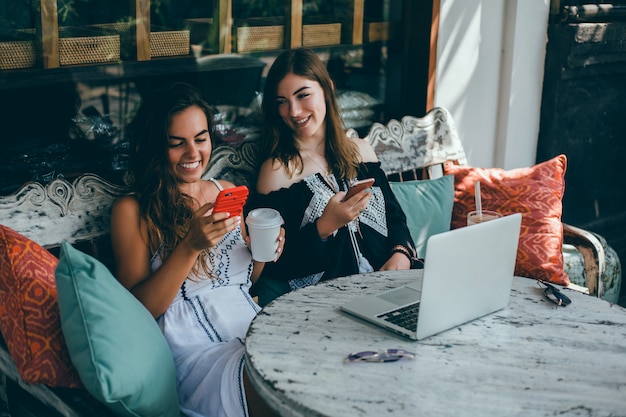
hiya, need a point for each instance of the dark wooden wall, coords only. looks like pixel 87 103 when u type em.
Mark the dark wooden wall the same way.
pixel 583 115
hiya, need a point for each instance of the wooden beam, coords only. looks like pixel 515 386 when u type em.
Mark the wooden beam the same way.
pixel 142 30
pixel 293 24
pixel 358 15
pixel 48 32
pixel 224 22
pixel 432 60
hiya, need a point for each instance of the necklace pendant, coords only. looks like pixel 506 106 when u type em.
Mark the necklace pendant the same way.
pixel 332 181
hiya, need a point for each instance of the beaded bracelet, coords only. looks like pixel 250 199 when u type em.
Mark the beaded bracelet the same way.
pixel 401 249
pixel 415 262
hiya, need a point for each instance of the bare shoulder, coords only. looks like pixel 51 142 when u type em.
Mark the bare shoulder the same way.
pixel 226 184
pixel 127 228
pixel 125 218
pixel 272 177
pixel 125 206
pixel 365 150
pixel 129 237
pixel 212 189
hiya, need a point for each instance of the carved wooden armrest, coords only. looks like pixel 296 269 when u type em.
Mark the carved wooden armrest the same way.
pixel 592 248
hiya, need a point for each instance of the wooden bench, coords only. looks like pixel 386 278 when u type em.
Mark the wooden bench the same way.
pixel 78 211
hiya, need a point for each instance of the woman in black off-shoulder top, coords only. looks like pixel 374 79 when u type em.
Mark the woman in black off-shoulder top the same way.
pixel 311 164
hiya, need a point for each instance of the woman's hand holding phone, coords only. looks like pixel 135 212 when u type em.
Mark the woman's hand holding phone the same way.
pixel 231 200
pixel 338 213
pixel 358 186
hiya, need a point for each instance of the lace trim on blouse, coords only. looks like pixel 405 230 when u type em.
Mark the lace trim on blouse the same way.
pixel 373 216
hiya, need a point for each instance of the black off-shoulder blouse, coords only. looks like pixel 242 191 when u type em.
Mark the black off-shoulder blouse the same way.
pixel 306 258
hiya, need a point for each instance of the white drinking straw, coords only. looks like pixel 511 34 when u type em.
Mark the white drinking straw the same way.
pixel 479 208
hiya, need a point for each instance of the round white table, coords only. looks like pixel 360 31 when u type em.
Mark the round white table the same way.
pixel 530 359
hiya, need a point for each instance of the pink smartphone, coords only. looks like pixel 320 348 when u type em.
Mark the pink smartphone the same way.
pixel 231 200
pixel 358 186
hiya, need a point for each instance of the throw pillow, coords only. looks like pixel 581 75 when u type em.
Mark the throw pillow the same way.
pixel 427 205
pixel 116 345
pixel 536 192
pixel 29 314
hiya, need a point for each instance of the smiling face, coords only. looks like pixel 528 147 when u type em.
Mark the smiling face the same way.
pixel 302 106
pixel 189 144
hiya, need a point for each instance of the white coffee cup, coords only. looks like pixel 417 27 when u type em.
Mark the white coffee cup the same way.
pixel 264 229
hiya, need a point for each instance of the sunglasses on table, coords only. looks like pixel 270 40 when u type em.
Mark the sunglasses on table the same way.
pixel 385 355
pixel 553 294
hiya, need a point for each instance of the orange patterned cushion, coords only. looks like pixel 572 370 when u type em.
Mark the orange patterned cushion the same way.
pixel 537 193
pixel 29 314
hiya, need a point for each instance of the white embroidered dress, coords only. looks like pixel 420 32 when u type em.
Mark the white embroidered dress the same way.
pixel 205 327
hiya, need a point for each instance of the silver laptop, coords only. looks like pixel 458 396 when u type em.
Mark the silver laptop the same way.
pixel 468 273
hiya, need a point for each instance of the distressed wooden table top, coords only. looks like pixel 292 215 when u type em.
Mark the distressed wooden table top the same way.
pixel 529 359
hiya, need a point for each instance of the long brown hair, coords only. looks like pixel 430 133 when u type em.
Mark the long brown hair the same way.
pixel 166 210
pixel 279 140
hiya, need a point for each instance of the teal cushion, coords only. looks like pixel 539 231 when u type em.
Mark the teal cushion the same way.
pixel 428 207
pixel 115 344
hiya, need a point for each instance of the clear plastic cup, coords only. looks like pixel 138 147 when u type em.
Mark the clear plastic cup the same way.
pixel 486 215
pixel 264 229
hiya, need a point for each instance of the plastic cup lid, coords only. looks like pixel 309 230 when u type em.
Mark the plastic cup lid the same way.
pixel 264 218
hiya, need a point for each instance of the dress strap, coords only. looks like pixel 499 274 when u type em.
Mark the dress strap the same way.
pixel 217 183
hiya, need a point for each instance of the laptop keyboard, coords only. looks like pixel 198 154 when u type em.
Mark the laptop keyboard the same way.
pixel 405 317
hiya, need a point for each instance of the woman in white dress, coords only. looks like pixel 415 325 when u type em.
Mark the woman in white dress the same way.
pixel 190 268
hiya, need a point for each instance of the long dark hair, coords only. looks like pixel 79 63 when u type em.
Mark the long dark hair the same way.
pixel 165 209
pixel 341 154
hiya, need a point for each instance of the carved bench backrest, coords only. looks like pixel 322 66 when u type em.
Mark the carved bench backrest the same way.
pixel 61 210
pixel 415 147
